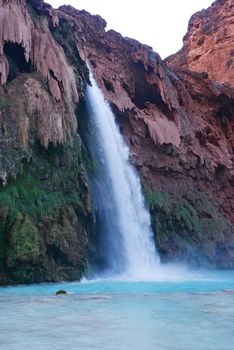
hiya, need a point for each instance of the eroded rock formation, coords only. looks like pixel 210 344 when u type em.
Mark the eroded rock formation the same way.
pixel 26 45
pixel 45 206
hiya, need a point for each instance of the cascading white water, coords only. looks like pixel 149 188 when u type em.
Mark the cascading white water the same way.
pixel 131 248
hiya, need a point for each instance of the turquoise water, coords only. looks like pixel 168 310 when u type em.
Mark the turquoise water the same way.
pixel 193 312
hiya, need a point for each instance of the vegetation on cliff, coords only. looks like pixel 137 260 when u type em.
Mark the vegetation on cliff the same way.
pixel 45 206
pixel 189 227
pixel 45 217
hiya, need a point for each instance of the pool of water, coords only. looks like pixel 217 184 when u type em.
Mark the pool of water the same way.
pixel 194 312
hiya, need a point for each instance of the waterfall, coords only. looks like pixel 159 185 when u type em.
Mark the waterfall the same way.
pixel 126 240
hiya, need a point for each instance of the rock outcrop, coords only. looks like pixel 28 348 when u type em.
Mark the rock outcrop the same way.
pixel 209 43
pixel 26 45
pixel 177 121
pixel 45 208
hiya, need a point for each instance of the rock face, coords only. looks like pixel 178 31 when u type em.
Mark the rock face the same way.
pixel 45 208
pixel 179 127
pixel 209 43
pixel 177 122
pixel 26 44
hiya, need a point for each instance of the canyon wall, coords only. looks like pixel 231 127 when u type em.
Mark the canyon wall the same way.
pixel 177 121
pixel 209 43
pixel 178 124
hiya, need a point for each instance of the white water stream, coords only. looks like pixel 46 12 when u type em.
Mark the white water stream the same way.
pixel 124 219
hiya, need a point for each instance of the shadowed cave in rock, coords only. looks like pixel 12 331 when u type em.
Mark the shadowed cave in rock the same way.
pixel 16 59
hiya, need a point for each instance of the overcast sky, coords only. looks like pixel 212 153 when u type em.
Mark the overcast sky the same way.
pixel 158 23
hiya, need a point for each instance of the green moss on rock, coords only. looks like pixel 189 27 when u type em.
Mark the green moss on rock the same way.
pixel 189 226
pixel 2 241
pixel 154 198
pixel 187 215
pixel 44 217
pixel 24 239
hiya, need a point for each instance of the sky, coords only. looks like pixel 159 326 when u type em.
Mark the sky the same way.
pixel 157 23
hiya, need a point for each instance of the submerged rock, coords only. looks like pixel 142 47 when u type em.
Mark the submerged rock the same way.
pixel 61 292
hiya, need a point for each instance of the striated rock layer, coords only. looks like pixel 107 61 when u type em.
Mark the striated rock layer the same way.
pixel 177 122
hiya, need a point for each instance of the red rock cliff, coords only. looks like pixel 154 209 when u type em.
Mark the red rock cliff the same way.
pixel 179 127
pixel 209 43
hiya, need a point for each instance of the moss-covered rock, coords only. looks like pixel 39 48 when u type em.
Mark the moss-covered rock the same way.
pixel 154 198
pixel 190 227
pixel 24 239
pixel 45 216
pixel 61 292
pixel 45 207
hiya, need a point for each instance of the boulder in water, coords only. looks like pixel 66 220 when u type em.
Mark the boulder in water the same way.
pixel 61 292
